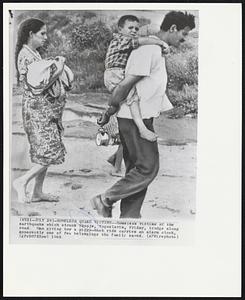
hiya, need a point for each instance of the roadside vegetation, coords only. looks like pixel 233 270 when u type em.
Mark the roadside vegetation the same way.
pixel 83 37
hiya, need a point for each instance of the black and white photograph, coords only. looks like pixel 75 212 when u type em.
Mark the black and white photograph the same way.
pixel 104 114
pixel 114 136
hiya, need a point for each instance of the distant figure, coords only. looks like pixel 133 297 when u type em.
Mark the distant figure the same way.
pixel 44 83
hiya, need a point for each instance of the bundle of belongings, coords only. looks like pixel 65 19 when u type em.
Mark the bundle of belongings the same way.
pixel 39 74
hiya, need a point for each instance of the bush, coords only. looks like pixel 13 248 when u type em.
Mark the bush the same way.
pixel 182 69
pixel 83 38
pixel 95 36
pixel 89 43
pixel 88 69
pixel 185 100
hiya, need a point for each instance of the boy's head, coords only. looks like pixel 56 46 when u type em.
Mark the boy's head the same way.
pixel 177 25
pixel 128 25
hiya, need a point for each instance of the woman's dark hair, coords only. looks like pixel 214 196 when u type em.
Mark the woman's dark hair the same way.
pixel 178 18
pixel 25 28
pixel 125 18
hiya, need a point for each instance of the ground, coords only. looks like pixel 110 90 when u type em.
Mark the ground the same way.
pixel 86 171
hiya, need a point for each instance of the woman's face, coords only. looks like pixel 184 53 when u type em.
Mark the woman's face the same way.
pixel 39 38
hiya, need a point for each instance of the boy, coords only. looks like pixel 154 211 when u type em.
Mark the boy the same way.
pixel 117 55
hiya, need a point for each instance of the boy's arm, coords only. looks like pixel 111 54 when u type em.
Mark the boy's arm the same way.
pixel 127 43
pixel 152 41
pixel 120 93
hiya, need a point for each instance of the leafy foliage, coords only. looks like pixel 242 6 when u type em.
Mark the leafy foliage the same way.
pixel 185 101
pixel 182 68
pixel 83 37
pixel 94 36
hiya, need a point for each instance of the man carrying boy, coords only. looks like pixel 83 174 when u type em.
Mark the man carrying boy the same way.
pixel 146 69
pixel 122 44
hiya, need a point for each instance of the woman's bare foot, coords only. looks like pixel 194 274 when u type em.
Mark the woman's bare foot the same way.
pixel 148 134
pixel 20 187
pixel 44 197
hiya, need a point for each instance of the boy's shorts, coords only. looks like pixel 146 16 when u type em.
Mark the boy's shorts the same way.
pixel 112 77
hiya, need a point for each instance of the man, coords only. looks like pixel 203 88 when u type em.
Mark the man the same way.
pixel 146 70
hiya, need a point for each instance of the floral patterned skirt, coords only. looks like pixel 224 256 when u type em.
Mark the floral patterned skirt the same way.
pixel 42 120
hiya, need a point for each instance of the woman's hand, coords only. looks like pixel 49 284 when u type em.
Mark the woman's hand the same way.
pixel 59 62
pixel 61 59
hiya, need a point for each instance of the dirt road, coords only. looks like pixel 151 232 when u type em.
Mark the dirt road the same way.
pixel 86 171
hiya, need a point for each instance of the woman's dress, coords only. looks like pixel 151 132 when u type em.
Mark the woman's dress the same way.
pixel 42 116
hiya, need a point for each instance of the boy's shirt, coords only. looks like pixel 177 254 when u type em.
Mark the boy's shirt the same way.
pixel 119 50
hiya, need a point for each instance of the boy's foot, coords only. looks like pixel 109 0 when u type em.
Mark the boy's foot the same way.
pixel 45 198
pixel 148 135
pixel 103 119
pixel 20 187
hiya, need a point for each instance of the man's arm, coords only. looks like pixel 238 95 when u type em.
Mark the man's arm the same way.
pixel 120 93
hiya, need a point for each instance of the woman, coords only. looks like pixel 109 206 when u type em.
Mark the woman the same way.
pixel 41 110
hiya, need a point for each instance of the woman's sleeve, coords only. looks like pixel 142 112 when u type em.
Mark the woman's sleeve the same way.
pixel 22 64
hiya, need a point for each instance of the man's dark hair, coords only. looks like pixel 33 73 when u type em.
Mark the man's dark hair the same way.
pixel 178 18
pixel 125 18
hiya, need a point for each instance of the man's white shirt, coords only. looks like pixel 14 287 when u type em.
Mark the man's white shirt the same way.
pixel 147 61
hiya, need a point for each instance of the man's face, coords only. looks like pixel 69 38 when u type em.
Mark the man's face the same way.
pixel 176 37
pixel 130 28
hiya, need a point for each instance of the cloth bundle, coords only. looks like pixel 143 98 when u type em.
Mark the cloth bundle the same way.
pixel 39 74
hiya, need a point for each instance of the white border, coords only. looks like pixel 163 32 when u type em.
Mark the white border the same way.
pixel 213 266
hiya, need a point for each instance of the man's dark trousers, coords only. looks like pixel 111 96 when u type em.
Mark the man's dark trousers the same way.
pixel 141 159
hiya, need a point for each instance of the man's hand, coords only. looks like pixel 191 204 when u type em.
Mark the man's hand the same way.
pixel 103 119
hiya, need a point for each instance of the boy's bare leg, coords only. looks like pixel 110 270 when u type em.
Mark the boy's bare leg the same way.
pixel 144 132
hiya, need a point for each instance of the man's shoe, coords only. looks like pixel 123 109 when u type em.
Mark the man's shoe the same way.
pixel 102 209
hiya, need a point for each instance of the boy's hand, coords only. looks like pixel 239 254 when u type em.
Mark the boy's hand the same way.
pixel 165 48
pixel 61 59
pixel 103 119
